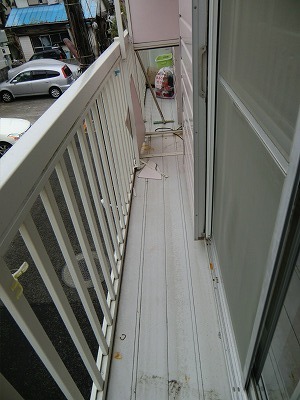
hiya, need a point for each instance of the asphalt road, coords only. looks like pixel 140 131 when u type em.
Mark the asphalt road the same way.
pixel 30 108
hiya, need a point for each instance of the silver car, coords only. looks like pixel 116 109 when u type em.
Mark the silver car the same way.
pixel 52 79
pixel 43 62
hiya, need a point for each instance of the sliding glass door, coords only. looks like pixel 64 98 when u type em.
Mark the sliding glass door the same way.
pixel 280 378
pixel 258 92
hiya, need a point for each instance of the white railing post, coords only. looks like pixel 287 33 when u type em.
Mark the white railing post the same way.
pixel 120 28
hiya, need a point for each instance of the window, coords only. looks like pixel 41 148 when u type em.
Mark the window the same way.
pixel 23 77
pixel 39 75
pixel 36 2
pixel 46 42
pixel 52 74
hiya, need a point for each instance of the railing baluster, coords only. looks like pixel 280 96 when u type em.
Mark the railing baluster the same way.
pixel 110 153
pixel 91 219
pixel 41 259
pixel 128 155
pixel 121 118
pixel 114 194
pixel 8 391
pixel 82 236
pixel 71 261
pixel 114 224
pixel 126 76
pixel 97 200
pixel 122 115
pixel 94 132
pixel 24 316
pixel 114 130
pixel 127 71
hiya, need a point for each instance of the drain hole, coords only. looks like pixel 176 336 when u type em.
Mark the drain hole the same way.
pixel 67 278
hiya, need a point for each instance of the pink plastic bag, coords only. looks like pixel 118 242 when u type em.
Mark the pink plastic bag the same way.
pixel 164 83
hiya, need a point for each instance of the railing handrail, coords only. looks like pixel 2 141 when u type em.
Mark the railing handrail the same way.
pixel 18 173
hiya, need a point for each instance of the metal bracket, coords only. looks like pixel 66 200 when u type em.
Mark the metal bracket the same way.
pixel 16 285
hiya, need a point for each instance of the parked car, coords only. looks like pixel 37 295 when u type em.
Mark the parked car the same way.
pixel 35 80
pixel 56 54
pixel 42 63
pixel 11 129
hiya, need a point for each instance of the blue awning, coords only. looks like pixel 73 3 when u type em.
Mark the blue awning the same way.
pixel 49 14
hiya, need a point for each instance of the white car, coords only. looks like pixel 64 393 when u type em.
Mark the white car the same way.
pixel 11 129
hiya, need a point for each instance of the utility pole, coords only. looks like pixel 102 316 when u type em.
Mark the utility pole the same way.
pixel 80 33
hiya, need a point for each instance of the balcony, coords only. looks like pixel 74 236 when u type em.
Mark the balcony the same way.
pixel 118 300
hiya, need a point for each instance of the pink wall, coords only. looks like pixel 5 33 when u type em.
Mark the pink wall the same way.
pixel 138 116
pixel 154 21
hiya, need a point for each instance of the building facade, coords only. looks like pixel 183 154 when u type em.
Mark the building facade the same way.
pixel 41 25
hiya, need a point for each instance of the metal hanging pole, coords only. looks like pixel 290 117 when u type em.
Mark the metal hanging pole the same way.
pixel 151 89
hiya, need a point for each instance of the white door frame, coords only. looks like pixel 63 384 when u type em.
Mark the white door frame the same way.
pixel 211 109
pixel 199 38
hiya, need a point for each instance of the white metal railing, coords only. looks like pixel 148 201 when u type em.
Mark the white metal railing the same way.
pixel 66 188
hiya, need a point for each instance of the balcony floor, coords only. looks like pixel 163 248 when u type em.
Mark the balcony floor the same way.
pixel 167 342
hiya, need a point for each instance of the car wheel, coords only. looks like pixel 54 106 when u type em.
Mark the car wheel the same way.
pixel 4 147
pixel 7 97
pixel 55 92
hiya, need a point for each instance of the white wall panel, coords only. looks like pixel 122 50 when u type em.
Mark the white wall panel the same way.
pixel 185 27
pixel 154 22
pixel 188 144
pixel 185 11
pixel 21 3
pixel 26 46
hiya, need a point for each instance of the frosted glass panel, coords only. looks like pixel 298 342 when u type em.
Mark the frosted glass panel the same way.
pixel 248 186
pixel 260 60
